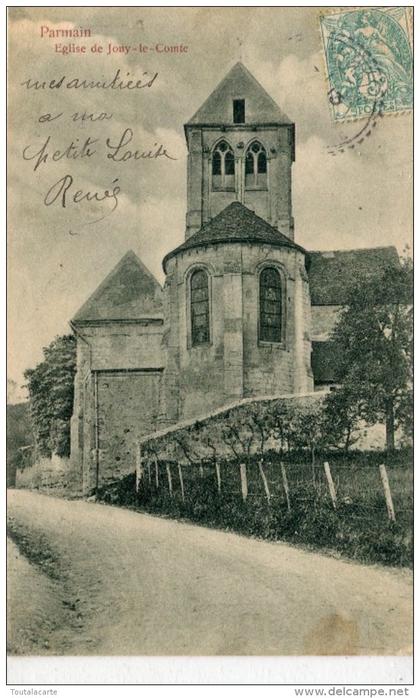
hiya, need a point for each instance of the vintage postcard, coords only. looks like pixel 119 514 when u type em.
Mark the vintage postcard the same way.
pixel 210 358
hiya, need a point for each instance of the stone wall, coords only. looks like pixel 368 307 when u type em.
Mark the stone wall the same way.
pixel 234 364
pixel 117 395
pixel 273 203
pixel 323 320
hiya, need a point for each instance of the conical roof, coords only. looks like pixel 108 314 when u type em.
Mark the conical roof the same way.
pixel 129 292
pixel 260 108
pixel 236 223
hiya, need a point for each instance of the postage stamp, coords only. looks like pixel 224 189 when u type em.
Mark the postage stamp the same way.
pixel 369 61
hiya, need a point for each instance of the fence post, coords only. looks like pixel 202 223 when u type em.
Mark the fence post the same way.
pixel 139 466
pixel 219 480
pixel 201 470
pixel 264 479
pixel 387 491
pixel 181 481
pixel 244 481
pixel 156 471
pixel 168 472
pixel 331 485
pixel 285 485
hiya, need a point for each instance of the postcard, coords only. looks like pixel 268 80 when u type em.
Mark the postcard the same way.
pixel 210 359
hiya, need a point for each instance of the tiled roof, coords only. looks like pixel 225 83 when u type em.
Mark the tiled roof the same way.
pixel 129 292
pixel 235 223
pixel 239 82
pixel 332 274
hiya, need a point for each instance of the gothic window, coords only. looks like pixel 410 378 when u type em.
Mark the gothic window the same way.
pixel 223 167
pixel 271 305
pixel 200 320
pixel 238 111
pixel 256 167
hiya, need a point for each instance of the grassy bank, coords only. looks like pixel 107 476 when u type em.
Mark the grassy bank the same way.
pixel 359 528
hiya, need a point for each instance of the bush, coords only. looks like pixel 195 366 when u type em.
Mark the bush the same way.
pixel 359 528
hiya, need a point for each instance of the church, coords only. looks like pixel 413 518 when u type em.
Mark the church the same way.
pixel 245 311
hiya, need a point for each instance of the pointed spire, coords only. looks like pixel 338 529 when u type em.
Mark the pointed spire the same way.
pixel 239 83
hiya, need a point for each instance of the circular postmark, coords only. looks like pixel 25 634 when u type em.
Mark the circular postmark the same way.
pixel 369 60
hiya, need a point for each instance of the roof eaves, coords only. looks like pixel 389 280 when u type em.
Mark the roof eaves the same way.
pixel 227 241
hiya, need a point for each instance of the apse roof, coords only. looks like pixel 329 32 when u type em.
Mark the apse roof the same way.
pixel 235 223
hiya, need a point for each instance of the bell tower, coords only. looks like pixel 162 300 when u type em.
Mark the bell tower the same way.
pixel 241 147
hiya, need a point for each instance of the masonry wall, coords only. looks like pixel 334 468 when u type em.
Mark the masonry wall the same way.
pixel 323 320
pixel 234 364
pixel 117 395
pixel 128 408
pixel 273 203
pixel 270 368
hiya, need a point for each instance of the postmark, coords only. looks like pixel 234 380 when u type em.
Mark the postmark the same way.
pixel 369 61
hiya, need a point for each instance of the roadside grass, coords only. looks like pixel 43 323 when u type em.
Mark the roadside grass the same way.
pixel 359 528
pixel 35 547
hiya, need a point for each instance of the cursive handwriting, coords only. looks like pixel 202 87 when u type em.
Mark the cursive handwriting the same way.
pixel 72 152
pixel 119 152
pixel 117 83
pixel 62 192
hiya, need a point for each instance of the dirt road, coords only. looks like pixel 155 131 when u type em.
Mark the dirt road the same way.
pixel 127 583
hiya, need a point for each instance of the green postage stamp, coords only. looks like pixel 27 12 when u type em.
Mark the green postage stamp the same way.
pixel 369 61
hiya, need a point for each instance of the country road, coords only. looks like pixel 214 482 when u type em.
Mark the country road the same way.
pixel 116 582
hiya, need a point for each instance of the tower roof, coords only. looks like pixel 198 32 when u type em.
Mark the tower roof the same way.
pixel 235 223
pixel 129 292
pixel 239 84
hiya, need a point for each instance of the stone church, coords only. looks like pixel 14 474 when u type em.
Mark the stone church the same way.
pixel 245 310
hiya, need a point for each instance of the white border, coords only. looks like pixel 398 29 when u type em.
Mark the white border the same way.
pixel 50 671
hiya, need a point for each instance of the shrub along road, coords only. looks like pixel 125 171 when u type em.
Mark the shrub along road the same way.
pixel 132 583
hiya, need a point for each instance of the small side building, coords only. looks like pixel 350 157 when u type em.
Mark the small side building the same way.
pixel 120 365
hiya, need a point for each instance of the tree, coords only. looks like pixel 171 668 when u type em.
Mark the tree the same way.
pixel 342 417
pixel 373 348
pixel 19 439
pixel 51 386
pixel 309 427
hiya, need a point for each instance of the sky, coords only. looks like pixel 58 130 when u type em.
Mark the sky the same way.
pixel 57 256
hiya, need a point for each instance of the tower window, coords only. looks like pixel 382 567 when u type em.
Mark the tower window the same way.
pixel 199 294
pixel 223 168
pixel 256 167
pixel 238 111
pixel 271 306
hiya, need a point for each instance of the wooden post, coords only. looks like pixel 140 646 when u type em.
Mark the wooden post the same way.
pixel 181 481
pixel 156 471
pixel 331 485
pixel 219 479
pixel 168 472
pixel 139 466
pixel 201 470
pixel 264 479
pixel 149 472
pixel 285 485
pixel 244 481
pixel 387 491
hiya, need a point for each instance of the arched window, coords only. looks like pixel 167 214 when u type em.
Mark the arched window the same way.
pixel 199 294
pixel 256 167
pixel 223 167
pixel 271 305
